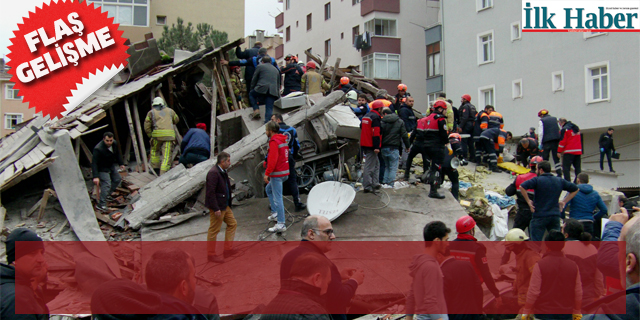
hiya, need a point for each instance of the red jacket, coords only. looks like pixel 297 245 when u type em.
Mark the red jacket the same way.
pixel 571 142
pixel 278 156
pixel 370 133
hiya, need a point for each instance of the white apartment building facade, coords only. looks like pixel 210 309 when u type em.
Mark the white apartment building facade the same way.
pixel 330 27
pixel 591 79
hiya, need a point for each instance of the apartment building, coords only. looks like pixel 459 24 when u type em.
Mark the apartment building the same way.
pixel 12 109
pixel 589 78
pixel 139 17
pixel 330 29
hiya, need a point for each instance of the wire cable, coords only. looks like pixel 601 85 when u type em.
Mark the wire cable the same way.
pixel 379 208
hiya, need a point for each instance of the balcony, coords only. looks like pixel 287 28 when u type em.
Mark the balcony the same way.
pixel 279 51
pixel 368 6
pixel 280 20
pixel 383 44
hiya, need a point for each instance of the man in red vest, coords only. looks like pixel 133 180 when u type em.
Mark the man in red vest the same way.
pixel 277 171
pixel 523 215
pixel 371 143
pixel 570 148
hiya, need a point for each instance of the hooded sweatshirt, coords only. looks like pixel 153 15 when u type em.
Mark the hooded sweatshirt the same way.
pixel 8 287
pixel 277 164
pixel 583 204
pixel 427 290
pixel 394 132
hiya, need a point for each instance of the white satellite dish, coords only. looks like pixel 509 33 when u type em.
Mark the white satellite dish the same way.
pixel 330 199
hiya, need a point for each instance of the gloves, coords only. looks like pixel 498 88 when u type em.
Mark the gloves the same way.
pixel 577 317
pixel 526 317
pixel 601 149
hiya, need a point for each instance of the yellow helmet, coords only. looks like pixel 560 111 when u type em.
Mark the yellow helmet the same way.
pixel 516 234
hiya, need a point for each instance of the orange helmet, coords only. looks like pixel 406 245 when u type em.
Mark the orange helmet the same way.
pixel 465 224
pixel 535 160
pixel 466 97
pixel 455 136
pixel 344 80
pixel 543 112
pixel 440 104
pixel 311 65
pixel 402 87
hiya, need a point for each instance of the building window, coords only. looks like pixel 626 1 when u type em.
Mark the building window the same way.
pixel 381 66
pixel 126 12
pixel 381 27
pixel 327 11
pixel 557 81
pixel 309 22
pixel 516 33
pixel 10 93
pixel 161 20
pixel 483 4
pixel 433 60
pixel 516 89
pixel 287 4
pixel 354 2
pixel 486 95
pixel 287 34
pixel 11 120
pixel 341 35
pixel 297 23
pixel 597 82
pixel 327 48
pixel 589 35
pixel 431 98
pixel 355 32
pixel 485 47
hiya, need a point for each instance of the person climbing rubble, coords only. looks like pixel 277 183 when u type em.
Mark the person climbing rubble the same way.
pixel 105 165
pixel 159 125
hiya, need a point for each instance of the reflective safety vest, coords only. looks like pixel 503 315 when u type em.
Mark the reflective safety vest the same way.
pixel 159 124
pixel 495 120
pixel 502 138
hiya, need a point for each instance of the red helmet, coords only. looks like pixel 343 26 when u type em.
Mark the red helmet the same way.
pixel 234 68
pixel 440 104
pixel 455 136
pixel 402 87
pixel 535 160
pixel 543 112
pixel 311 65
pixel 466 97
pixel 465 224
pixel 344 80
pixel 377 104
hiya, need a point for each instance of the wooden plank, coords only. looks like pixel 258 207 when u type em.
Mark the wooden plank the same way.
pixel 84 133
pixel 43 204
pixel 333 74
pixel 19 167
pixel 132 133
pixel 45 149
pixel 127 151
pixel 115 130
pixel 46 163
pixel 37 155
pixel 227 79
pixel 7 174
pixel 136 118
pixel 86 150
pixel 221 95
pixel 214 111
pixel 3 213
pixel 28 161
pixel 77 149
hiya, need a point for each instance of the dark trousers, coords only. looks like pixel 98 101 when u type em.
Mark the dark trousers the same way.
pixel 552 147
pixel 436 155
pixel 455 183
pixel 468 149
pixel 383 166
pixel 588 227
pixel 109 182
pixel 522 219
pixel 524 158
pixel 490 149
pixel 539 225
pixel 192 158
pixel 569 160
pixel 606 152
pixel 415 150
pixel 292 181
pixel 288 90
pixel 479 149
pixel 255 98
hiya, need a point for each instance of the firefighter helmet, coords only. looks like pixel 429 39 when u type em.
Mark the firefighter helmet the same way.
pixel 466 97
pixel 344 80
pixel 440 104
pixel 311 65
pixel 402 87
pixel 465 224
pixel 543 112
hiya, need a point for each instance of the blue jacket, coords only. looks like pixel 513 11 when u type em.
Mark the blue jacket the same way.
pixel 547 188
pixel 585 202
pixel 196 141
pixel 608 251
pixel 406 114
pixel 359 110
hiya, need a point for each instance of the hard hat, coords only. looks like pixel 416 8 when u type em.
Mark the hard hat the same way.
pixel 235 68
pixel 465 224
pixel 466 97
pixel 158 101
pixel 516 234
pixel 440 104
pixel 377 105
pixel 543 112
pixel 535 160
pixel 289 57
pixel 455 136
pixel 344 80
pixel 311 65
pixel 294 58
pixel 402 87
pixel 352 95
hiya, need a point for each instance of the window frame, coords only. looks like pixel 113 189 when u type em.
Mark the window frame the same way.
pixel 161 24
pixel 430 96
pixel 372 22
pixel 287 4
pixel 371 58
pixel 513 25
pixel 553 81
pixel 355 32
pixel 589 81
pixel 481 91
pixel 480 48
pixel 479 7
pixel 436 56
pixel 309 21
pixel 354 2
pixel 327 11
pixel 514 95
pixel 12 114
pixel 327 47
pixel 588 35
pixel 132 5
pixel 14 92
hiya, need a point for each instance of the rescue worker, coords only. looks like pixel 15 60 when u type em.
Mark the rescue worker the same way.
pixel 344 85
pixel 523 215
pixel 549 139
pixel 467 248
pixel 239 87
pixel 408 116
pixel 527 148
pixel 312 81
pixel 481 117
pixel 526 259
pixel 450 117
pixel 430 138
pixel 248 55
pixel 276 173
pixel 570 148
pixel 402 94
pixel 292 75
pixel 371 143
pixel 467 119
pixel 447 169
pixel 499 145
pixel 294 148
pixel 159 125
pixel 492 124
pixel 606 148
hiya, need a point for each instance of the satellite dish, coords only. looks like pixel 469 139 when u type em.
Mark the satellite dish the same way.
pixel 330 199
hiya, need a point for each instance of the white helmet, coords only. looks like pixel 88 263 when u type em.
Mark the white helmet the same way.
pixel 352 95
pixel 158 101
pixel 516 234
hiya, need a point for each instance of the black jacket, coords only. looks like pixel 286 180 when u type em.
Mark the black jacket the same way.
pixel 550 129
pixel 477 131
pixel 394 132
pixel 606 142
pixel 467 117
pixel 299 300
pixel 457 152
pixel 462 289
pixel 218 189
pixel 247 55
pixel 8 287
pixel 292 77
pixel 408 117
pixel 103 159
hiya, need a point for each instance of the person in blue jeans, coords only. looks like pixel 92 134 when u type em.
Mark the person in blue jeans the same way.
pixel 394 135
pixel 276 172
pixel 546 206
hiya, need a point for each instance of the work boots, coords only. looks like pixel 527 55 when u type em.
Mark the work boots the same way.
pixel 434 193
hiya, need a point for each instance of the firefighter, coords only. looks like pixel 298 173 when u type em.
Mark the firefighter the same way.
pixel 523 215
pixel 292 75
pixel 431 137
pixel 239 88
pixel 481 117
pixel 402 94
pixel 492 125
pixel 467 120
pixel 344 85
pixel 370 144
pixel 527 148
pixel 549 139
pixel 312 81
pixel 447 168
pixel 526 259
pixel 159 126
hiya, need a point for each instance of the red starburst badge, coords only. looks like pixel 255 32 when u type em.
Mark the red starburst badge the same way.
pixel 58 45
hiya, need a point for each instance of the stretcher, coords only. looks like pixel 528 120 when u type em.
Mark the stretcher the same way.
pixel 513 167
